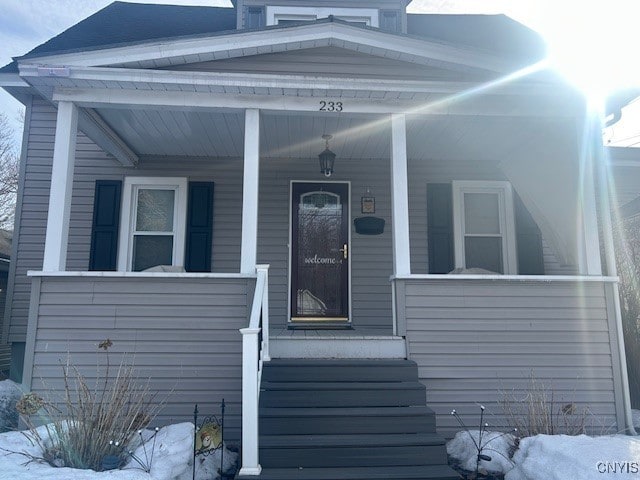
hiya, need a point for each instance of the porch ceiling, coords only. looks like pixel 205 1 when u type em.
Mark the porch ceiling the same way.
pixel 298 135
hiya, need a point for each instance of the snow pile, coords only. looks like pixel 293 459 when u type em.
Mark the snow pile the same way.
pixel 551 457
pixel 10 393
pixel 170 458
pixel 495 445
pixel 559 457
pixel 635 415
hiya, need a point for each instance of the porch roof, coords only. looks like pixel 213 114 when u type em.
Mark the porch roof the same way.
pixel 122 23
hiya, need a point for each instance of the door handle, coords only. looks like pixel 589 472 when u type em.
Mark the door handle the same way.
pixel 345 251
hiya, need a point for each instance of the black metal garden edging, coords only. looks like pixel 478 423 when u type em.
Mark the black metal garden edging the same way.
pixel 208 436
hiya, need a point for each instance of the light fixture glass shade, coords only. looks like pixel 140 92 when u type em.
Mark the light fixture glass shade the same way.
pixel 327 158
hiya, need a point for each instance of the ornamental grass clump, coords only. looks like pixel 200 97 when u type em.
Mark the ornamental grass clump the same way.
pixel 538 410
pixel 80 429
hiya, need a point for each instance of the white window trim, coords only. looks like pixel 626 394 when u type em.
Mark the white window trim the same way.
pixel 507 220
pixel 274 13
pixel 125 244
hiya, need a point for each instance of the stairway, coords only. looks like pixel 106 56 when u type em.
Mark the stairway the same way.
pixel 347 419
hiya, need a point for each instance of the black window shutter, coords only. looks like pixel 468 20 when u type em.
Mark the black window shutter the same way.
pixel 529 240
pixel 199 227
pixel 440 227
pixel 254 17
pixel 390 20
pixel 106 222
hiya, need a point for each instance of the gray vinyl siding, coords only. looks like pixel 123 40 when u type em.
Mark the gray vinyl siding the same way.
pixel 327 62
pixel 474 340
pixel 180 334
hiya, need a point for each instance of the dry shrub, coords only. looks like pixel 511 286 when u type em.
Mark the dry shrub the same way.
pixel 88 420
pixel 540 411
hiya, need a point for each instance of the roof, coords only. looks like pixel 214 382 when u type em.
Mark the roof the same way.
pixel 495 33
pixel 123 23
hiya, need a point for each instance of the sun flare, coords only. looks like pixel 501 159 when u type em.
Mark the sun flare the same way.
pixel 594 44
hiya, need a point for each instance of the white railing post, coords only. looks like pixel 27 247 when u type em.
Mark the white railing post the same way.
pixel 253 356
pixel 250 392
pixel 265 313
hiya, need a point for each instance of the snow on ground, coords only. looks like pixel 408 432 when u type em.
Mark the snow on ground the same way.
pixel 9 394
pixel 172 459
pixel 559 457
pixel 552 457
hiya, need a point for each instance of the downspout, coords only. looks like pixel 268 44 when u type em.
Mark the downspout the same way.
pixel 602 174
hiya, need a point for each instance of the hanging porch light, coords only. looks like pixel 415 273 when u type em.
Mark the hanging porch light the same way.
pixel 327 157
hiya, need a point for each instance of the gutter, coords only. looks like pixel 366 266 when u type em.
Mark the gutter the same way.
pixel 602 174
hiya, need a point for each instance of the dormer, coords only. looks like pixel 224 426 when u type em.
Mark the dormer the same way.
pixel 388 15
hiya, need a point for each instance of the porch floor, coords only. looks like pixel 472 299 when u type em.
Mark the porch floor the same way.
pixel 356 343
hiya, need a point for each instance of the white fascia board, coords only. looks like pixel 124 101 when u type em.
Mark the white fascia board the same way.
pixel 131 99
pixel 287 35
pixel 178 100
pixel 279 81
pixel 12 80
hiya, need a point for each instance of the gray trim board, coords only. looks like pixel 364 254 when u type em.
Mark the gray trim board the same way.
pixel 32 329
pixel 614 342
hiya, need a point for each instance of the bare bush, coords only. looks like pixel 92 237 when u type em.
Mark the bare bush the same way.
pixel 90 419
pixel 538 410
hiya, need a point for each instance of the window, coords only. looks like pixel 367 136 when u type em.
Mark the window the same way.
pixel 484 229
pixel 281 15
pixel 153 223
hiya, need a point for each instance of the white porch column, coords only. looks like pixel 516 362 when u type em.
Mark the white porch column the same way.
pixel 250 191
pixel 591 264
pixel 55 247
pixel 399 196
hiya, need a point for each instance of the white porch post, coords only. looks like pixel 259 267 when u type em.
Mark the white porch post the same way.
pixel 591 264
pixel 55 247
pixel 249 243
pixel 399 196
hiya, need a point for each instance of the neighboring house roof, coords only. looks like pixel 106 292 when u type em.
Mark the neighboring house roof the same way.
pixel 123 23
pixel 5 244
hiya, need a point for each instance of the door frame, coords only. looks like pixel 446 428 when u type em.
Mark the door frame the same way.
pixel 290 250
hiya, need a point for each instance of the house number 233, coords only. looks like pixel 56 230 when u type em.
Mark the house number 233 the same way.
pixel 330 106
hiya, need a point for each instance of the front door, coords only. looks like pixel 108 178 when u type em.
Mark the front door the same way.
pixel 319 254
